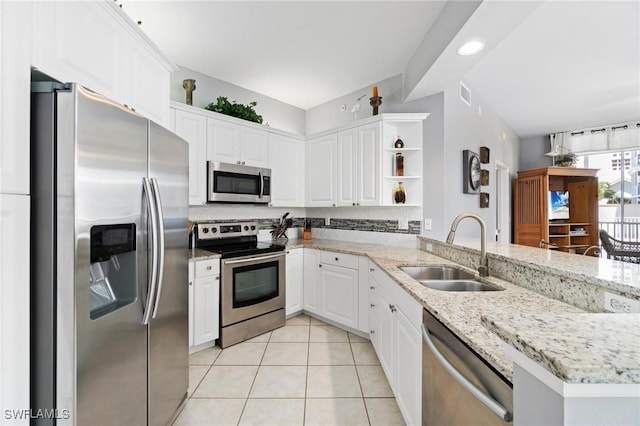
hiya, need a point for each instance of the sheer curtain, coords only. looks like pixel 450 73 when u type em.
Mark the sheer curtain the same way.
pixel 617 137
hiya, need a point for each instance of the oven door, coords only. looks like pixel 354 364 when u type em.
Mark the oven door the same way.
pixel 233 183
pixel 252 286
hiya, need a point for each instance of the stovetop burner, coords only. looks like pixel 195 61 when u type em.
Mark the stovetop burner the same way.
pixel 232 239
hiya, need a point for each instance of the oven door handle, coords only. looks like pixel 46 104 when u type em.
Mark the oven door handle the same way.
pixel 261 185
pixel 252 259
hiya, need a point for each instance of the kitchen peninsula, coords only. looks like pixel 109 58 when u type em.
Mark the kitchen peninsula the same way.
pixel 512 329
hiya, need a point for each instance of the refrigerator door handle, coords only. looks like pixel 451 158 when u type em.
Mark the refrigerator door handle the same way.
pixel 160 242
pixel 153 276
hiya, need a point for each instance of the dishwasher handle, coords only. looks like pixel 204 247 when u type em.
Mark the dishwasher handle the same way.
pixel 489 402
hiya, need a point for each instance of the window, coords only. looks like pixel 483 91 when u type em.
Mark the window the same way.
pixel 619 191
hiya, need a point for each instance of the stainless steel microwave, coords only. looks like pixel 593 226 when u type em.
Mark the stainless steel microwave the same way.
pixel 234 183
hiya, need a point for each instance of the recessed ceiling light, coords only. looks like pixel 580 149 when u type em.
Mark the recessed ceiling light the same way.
pixel 471 48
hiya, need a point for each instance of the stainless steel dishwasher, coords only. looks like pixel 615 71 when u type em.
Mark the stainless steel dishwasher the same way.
pixel 458 387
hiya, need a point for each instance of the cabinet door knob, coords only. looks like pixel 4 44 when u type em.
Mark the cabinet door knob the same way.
pixel 392 308
pixel 357 204
pixel 334 204
pixel 320 265
pixel 288 252
pixel 336 259
pixel 373 305
pixel 353 204
pixel 238 162
pixel 243 162
pixel 218 277
pixel 371 331
pixel 209 268
pixel 371 270
pixel 190 282
pixel 372 288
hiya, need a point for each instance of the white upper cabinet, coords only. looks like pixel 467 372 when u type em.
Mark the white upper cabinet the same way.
pixel 236 144
pixel 347 167
pixel 15 81
pixel 193 128
pixel 96 45
pixel 321 171
pixel 368 165
pixel 223 141
pixel 353 166
pixel 286 159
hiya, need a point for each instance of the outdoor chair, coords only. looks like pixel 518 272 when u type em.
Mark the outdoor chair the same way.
pixel 625 251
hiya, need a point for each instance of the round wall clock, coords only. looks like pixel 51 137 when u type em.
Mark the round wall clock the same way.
pixel 470 172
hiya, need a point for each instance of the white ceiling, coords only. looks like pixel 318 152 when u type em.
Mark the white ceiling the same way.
pixel 548 66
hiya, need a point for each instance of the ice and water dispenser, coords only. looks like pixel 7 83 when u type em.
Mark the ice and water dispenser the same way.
pixel 113 268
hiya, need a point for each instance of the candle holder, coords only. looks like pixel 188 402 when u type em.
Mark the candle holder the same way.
pixel 189 85
pixel 375 102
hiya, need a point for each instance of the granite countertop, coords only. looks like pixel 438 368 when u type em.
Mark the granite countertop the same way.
pixel 200 254
pixel 620 276
pixel 577 348
pixel 476 316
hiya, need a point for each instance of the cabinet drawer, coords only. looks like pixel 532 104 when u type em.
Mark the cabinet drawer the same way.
pixel 339 259
pixel 207 267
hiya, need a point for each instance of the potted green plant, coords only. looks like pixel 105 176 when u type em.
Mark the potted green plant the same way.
pixel 566 160
pixel 245 112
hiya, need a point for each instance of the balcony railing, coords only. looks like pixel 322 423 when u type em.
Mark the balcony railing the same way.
pixel 627 230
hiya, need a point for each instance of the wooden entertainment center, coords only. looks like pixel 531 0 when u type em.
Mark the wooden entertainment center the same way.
pixel 531 209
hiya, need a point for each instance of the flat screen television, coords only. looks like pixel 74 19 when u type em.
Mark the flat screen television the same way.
pixel 558 205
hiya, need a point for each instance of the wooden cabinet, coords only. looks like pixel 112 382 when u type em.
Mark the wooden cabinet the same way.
pixel 206 302
pixel 193 128
pixel 295 281
pixel 286 159
pixel 98 46
pixel 15 84
pixel 531 210
pixel 233 143
pixel 395 319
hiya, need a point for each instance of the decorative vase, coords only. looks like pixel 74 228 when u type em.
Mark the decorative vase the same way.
pixel 189 85
pixel 399 165
pixel 398 144
pixel 399 194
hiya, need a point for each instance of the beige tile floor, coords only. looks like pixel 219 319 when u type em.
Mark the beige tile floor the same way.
pixel 305 373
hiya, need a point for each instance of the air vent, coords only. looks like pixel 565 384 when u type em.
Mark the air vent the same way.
pixel 465 94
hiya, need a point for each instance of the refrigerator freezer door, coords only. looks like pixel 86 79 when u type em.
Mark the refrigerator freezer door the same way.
pixel 107 355
pixel 168 329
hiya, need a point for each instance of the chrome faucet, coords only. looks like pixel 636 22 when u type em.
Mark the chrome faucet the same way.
pixel 483 268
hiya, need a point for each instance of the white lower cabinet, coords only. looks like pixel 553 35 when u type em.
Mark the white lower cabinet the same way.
pixel 14 304
pixel 294 281
pixel 339 294
pixel 192 277
pixel 332 287
pixel 206 301
pixel 395 319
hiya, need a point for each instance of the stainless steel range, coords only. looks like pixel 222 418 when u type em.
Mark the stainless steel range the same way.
pixel 252 290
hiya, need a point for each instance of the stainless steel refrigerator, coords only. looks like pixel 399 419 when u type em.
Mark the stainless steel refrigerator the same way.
pixel 109 286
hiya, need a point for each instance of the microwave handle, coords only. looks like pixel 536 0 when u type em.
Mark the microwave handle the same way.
pixel 261 185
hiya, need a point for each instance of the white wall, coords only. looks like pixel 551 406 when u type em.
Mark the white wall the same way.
pixel 277 114
pixel 470 127
pixel 532 151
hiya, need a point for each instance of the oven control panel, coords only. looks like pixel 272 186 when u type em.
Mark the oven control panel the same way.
pixel 211 231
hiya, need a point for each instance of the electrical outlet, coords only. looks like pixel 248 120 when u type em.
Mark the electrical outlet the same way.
pixel 427 224
pixel 620 304
pixel 327 221
pixel 429 247
pixel 403 223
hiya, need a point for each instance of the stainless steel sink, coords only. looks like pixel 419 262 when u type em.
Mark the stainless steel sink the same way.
pixel 446 278
pixel 420 273
pixel 458 285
